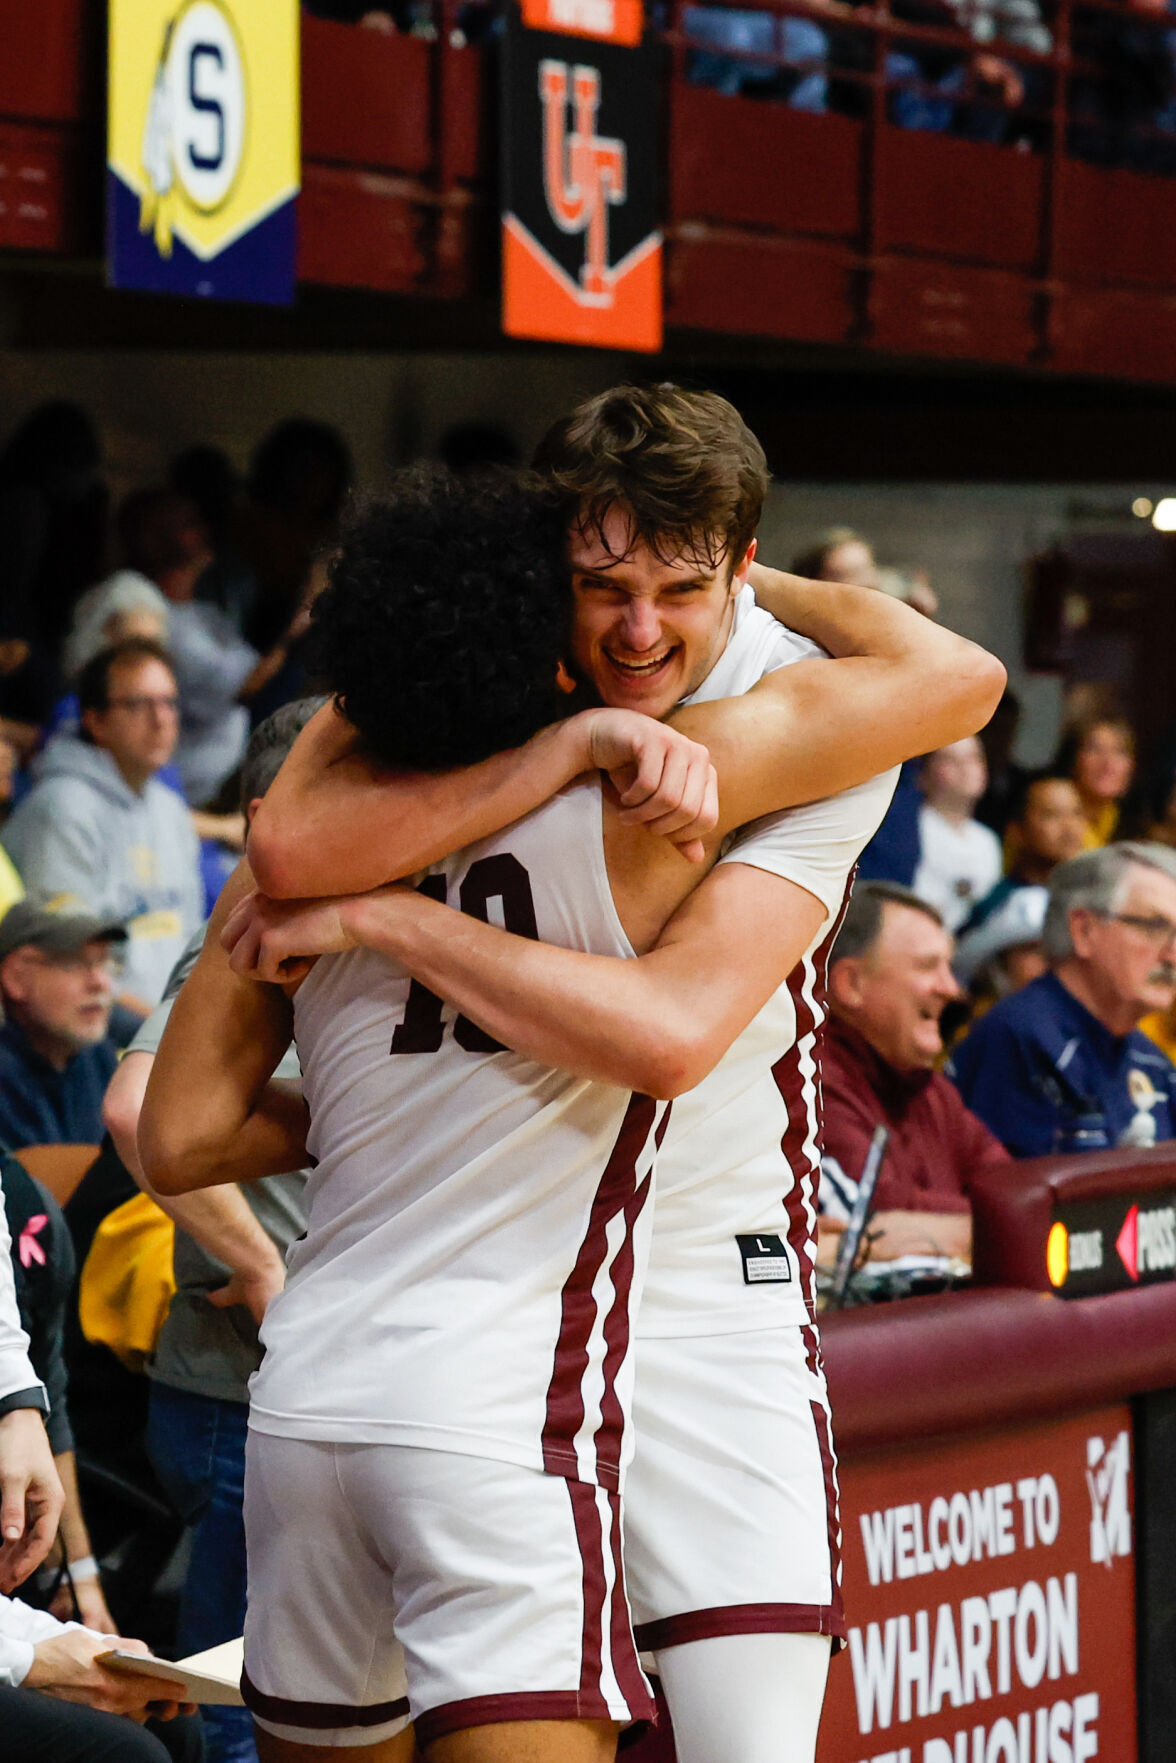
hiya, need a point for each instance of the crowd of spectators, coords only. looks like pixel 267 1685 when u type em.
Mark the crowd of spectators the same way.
pixel 139 645
pixel 977 69
pixel 1004 984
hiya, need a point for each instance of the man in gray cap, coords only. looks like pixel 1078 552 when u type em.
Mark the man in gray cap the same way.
pixel 57 972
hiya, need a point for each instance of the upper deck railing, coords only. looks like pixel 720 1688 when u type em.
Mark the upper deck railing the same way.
pixel 986 179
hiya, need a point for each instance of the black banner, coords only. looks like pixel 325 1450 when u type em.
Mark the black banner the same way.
pixel 580 189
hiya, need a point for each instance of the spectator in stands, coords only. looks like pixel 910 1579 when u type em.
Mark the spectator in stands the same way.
pixel 57 1702
pixel 1005 951
pixel 125 605
pixel 53 510
pixel 1099 755
pixel 937 87
pixel 98 827
pixel 206 477
pixel 1004 83
pixel 298 478
pixel 56 1058
pixel 44 1272
pixel 758 55
pixel 889 979
pixel 959 860
pixel 1046 827
pixel 165 541
pixel 1061 1065
pixel 841 555
pixel 229 1259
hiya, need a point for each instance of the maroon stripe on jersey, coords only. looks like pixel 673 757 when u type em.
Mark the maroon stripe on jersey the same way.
pixel 625 1663
pixel 804 1122
pixel 318 1716
pixel 812 1349
pixel 706 1625
pixel 565 1393
pixel 618 1328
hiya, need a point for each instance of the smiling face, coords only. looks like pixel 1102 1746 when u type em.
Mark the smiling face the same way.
pixel 647 633
pixel 894 993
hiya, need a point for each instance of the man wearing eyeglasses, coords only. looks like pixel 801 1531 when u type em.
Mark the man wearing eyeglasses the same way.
pixel 98 828
pixel 1062 1065
pixel 57 972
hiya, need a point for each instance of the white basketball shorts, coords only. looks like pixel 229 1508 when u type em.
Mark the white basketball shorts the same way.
pixel 390 1583
pixel 731 1519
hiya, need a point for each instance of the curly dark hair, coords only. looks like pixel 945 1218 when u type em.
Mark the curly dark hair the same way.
pixel 445 618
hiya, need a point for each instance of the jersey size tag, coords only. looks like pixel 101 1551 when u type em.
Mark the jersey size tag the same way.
pixel 765 1260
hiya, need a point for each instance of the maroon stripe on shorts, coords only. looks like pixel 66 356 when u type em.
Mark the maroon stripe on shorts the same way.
pixel 527 1705
pixel 812 1348
pixel 707 1625
pixel 591 1544
pixel 805 1120
pixel 625 1662
pixel 565 1392
pixel 318 1716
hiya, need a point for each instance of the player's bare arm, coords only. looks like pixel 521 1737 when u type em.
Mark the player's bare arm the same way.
pixel 819 727
pixel 220 1219
pixel 329 789
pixel 210 1113
pixel 898 686
pixel 657 1024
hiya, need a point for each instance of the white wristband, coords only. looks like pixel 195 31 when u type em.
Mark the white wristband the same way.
pixel 85 1568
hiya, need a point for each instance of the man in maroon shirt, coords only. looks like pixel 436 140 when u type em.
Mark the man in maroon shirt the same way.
pixel 889 979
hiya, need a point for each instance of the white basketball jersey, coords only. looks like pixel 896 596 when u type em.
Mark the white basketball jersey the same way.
pixel 733 1232
pixel 478 1223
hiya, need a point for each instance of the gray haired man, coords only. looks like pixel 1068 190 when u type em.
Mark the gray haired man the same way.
pixel 1061 1065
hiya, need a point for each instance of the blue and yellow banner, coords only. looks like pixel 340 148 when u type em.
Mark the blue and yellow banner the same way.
pixel 203 161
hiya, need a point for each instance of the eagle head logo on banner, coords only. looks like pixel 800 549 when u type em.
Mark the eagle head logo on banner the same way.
pixel 581 241
pixel 204 157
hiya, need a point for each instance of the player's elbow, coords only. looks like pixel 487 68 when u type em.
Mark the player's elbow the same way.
pixel 274 858
pixel 678 1062
pixel 173 1160
pixel 979 683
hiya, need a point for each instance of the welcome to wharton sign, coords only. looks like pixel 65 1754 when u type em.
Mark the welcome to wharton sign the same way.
pixel 990 1591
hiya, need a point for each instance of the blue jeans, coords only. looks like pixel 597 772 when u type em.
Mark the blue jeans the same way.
pixel 197 1448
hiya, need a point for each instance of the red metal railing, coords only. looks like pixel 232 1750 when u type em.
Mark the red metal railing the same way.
pixel 833 227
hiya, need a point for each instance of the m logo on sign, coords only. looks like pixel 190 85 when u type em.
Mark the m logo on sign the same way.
pixel 1108 1472
pixel 583 174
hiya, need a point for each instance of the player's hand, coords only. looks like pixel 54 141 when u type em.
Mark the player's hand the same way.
pixel 665 781
pixel 251 1287
pixel 279 940
pixel 31 1496
pixel 66 1666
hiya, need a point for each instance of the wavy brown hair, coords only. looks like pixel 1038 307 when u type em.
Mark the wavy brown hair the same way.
pixel 682 467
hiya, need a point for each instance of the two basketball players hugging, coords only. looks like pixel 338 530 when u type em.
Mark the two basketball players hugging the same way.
pixel 619 906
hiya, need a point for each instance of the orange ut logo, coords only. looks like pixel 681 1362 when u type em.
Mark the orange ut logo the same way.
pixel 582 174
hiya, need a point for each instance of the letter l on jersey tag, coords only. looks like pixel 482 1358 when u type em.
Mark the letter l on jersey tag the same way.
pixel 765 1260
